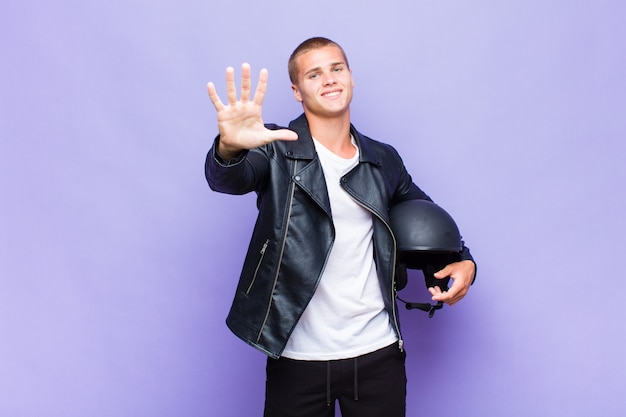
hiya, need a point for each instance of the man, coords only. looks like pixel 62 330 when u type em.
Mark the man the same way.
pixel 317 289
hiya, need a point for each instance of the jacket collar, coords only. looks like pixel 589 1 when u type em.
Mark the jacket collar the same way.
pixel 303 148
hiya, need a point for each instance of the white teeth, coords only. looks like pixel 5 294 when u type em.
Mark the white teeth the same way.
pixel 332 94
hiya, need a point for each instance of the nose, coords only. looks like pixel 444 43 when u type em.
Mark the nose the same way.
pixel 329 79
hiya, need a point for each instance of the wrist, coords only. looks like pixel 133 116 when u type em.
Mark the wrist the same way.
pixel 227 152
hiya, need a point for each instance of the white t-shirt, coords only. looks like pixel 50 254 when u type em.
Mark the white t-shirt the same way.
pixel 346 316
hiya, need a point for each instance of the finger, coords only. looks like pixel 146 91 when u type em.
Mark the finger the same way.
pixel 434 290
pixel 445 296
pixel 215 99
pixel 270 136
pixel 245 82
pixel 261 88
pixel 445 272
pixel 231 89
pixel 284 134
pixel 454 294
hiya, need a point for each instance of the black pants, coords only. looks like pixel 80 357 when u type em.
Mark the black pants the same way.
pixel 372 385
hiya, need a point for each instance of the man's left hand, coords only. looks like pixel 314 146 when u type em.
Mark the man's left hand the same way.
pixel 462 274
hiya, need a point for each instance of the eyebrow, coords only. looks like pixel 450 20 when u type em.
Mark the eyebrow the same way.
pixel 316 69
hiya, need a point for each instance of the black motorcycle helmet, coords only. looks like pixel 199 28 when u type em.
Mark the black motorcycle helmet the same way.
pixel 428 239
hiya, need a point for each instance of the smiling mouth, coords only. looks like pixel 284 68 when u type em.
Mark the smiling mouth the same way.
pixel 331 94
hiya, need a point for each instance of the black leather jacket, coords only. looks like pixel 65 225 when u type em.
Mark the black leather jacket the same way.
pixel 294 230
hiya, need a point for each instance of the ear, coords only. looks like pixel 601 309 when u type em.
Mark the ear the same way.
pixel 296 93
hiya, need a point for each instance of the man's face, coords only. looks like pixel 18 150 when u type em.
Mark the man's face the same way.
pixel 324 84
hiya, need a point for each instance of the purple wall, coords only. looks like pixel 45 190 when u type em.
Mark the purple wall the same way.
pixel 117 263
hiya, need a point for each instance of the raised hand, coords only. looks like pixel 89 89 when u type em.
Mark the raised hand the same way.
pixel 240 122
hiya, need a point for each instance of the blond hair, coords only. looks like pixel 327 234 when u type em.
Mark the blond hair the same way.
pixel 306 46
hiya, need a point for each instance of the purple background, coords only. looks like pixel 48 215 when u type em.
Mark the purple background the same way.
pixel 118 264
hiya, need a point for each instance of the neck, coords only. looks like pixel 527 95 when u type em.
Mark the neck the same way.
pixel 333 133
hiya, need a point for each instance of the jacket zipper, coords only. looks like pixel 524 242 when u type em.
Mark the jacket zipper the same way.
pixel 282 250
pixel 393 287
pixel 393 274
pixel 258 265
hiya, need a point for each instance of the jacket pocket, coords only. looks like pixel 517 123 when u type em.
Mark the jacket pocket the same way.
pixel 258 265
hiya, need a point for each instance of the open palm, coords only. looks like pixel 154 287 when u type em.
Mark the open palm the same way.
pixel 240 122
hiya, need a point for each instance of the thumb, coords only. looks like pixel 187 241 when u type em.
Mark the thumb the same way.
pixel 284 134
pixel 443 273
